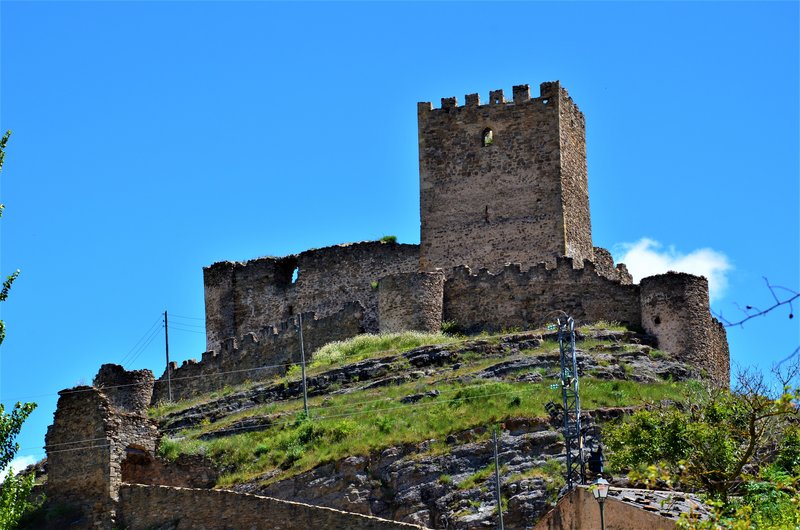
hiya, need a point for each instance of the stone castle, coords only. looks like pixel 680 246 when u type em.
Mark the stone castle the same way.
pixel 505 242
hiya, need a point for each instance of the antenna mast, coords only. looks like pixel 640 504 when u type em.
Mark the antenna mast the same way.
pixel 571 402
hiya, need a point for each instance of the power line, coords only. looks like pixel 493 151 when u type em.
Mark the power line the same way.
pixel 173 326
pixel 188 324
pixel 146 333
pixel 144 347
pixel 190 318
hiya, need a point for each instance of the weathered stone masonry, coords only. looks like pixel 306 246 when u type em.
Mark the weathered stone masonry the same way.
pixel 93 430
pixel 250 296
pixel 520 198
pixel 259 355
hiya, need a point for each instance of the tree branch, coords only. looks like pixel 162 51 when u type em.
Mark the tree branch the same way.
pixel 751 312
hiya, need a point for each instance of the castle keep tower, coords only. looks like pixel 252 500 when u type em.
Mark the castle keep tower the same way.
pixel 503 182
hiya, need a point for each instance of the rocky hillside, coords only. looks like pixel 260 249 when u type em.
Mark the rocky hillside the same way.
pixel 400 427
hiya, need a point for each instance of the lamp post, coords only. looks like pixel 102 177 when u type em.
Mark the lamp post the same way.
pixel 600 492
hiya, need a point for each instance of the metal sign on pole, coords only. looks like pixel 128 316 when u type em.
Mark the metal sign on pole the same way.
pixel 166 341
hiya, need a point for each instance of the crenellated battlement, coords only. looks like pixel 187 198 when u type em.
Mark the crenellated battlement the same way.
pixel 521 94
pixel 259 354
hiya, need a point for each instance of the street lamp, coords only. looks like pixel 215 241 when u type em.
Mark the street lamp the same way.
pixel 600 492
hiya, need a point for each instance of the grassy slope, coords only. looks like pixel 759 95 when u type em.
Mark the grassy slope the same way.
pixel 368 420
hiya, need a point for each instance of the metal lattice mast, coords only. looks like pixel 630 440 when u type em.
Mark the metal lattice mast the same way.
pixel 573 437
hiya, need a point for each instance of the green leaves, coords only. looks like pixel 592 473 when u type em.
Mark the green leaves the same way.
pixel 10 279
pixel 10 425
pixel 741 448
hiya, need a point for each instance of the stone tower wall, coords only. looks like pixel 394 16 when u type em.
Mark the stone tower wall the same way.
pixel 245 297
pixel 488 205
pixel 675 308
pixel 574 175
pixel 411 301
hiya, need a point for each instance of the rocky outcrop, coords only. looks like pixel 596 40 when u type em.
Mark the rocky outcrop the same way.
pixel 422 484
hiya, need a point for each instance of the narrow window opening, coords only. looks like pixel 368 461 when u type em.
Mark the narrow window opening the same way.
pixel 657 320
pixel 295 273
pixel 488 137
pixel 545 101
pixel 486 214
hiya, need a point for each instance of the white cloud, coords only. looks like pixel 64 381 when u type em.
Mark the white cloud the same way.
pixel 647 257
pixel 18 464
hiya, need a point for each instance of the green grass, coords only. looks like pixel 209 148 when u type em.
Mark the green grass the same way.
pixel 366 346
pixel 603 325
pixel 360 423
pixel 366 421
pixel 477 478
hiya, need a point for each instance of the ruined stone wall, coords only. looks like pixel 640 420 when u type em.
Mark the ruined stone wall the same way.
pixel 721 370
pixel 145 507
pixel 78 452
pixel 129 391
pixel 485 204
pixel 411 301
pixel 604 265
pixel 187 471
pixel 258 356
pixel 512 298
pixel 88 440
pixel 244 297
pixel 675 308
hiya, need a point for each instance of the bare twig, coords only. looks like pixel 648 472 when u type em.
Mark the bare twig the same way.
pixel 753 312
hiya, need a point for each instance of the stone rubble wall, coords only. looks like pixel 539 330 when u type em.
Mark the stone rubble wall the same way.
pixel 129 391
pixel 146 507
pixel 187 471
pixel 604 265
pixel 88 441
pixel 244 297
pixel 513 298
pixel 255 357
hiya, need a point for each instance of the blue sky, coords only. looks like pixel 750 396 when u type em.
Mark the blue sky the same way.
pixel 151 139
